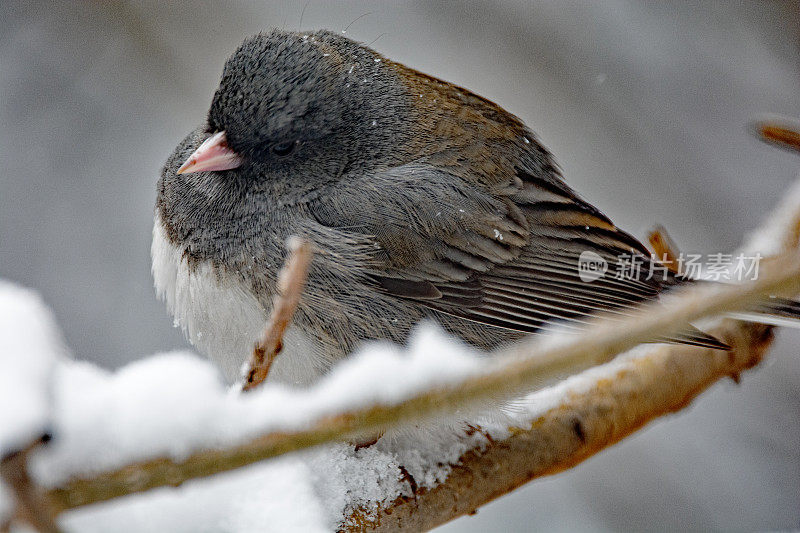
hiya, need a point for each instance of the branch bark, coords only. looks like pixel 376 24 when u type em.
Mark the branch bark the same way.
pixel 33 507
pixel 616 405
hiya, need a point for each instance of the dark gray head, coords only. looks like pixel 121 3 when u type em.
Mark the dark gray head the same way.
pixel 307 107
pixel 281 89
pixel 294 112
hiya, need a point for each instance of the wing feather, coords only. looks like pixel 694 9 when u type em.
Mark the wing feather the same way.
pixel 507 260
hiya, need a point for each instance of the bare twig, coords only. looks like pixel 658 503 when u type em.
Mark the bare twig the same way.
pixel 779 131
pixel 33 506
pixel 291 281
pixel 526 367
pixel 664 248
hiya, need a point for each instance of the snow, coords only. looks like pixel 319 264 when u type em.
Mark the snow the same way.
pixel 175 403
pixel 272 496
pixel 29 345
pixel 309 491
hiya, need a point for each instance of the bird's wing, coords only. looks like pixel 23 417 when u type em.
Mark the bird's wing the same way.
pixel 508 259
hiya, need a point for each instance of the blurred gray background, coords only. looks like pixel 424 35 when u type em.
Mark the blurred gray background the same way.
pixel 644 104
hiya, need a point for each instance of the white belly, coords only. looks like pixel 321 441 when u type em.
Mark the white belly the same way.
pixel 223 319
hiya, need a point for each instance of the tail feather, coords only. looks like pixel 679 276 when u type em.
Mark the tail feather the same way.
pixel 783 312
pixel 695 337
pixel 775 312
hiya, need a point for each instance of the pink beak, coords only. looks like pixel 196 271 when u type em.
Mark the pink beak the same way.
pixel 213 154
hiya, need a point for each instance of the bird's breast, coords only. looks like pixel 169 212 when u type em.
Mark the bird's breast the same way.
pixel 221 316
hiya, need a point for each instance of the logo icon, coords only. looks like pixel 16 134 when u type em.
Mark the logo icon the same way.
pixel 591 266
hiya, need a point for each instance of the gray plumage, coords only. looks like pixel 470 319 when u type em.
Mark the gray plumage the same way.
pixel 421 200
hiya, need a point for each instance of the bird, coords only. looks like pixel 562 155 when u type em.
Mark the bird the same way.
pixel 422 201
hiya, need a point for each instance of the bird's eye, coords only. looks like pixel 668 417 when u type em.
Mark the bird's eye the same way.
pixel 282 149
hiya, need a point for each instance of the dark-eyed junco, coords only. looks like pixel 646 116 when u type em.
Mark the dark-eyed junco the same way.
pixel 421 199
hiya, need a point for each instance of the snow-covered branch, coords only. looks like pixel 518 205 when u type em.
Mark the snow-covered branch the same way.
pixel 526 367
pixel 614 403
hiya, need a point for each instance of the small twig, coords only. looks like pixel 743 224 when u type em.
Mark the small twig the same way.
pixel 291 281
pixel 664 248
pixel 779 131
pixel 32 504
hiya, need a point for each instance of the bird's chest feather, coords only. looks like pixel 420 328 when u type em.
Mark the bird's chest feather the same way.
pixel 222 317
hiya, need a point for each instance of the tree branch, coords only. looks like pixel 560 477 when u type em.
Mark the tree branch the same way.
pixel 780 131
pixel 33 506
pixel 664 248
pixel 291 281
pixel 614 406
pixel 519 370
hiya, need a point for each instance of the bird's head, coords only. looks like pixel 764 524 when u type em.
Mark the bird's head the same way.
pixel 302 108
